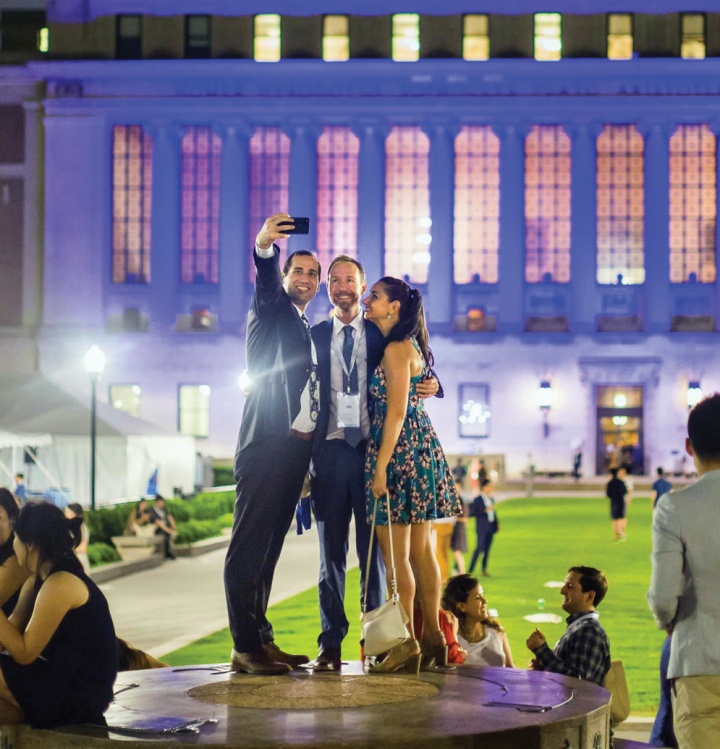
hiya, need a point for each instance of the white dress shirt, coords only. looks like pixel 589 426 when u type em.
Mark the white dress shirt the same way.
pixel 336 375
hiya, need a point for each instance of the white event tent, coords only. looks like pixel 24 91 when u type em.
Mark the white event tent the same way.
pixel 38 416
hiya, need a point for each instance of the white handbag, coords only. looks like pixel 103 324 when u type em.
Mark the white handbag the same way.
pixel 384 627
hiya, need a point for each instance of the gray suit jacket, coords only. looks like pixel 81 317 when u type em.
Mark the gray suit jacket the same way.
pixel 685 585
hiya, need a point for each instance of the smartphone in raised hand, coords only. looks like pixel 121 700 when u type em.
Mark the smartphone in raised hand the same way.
pixel 301 226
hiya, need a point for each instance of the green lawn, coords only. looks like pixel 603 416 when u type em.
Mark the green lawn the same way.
pixel 539 540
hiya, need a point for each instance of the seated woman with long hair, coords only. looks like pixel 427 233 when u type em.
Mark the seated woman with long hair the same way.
pixel 12 575
pixel 61 658
pixel 480 635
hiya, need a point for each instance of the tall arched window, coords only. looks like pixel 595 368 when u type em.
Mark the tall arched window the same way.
pixel 620 205
pixel 407 204
pixel 338 149
pixel 132 204
pixel 201 149
pixel 547 204
pixel 477 205
pixel 693 210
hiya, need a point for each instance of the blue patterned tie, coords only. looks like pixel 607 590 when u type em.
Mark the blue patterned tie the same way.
pixel 353 435
pixel 314 399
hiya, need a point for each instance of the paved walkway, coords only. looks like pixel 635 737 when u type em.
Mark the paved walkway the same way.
pixel 165 608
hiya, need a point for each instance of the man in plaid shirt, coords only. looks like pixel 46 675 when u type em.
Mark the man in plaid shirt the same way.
pixel 584 650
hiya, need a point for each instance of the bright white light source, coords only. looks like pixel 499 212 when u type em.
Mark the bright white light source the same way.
pixel 474 413
pixel 694 394
pixel 204 389
pixel 94 360
pixel 619 421
pixel 422 258
pixel 425 222
pixel 424 238
pixel 545 396
pixel 620 400
pixel 244 383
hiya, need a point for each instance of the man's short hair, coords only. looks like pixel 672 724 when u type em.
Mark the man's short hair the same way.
pixel 614 472
pixel 307 253
pixel 347 259
pixel 592 579
pixel 19 475
pixel 660 471
pixel 704 427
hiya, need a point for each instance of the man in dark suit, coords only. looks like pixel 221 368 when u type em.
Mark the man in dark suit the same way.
pixel 349 348
pixel 274 446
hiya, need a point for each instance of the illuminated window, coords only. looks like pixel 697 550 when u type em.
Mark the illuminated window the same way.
pixel 43 40
pixel 194 410
pixel 620 209
pixel 336 38
pixel 129 37
pixel 406 37
pixel 547 205
pixel 477 205
pixel 338 150
pixel 197 36
pixel 269 178
pixel 267 37
pixel 126 398
pixel 692 41
pixel 201 150
pixel 620 36
pixel 693 212
pixel 407 204
pixel 476 41
pixel 132 204
pixel 548 36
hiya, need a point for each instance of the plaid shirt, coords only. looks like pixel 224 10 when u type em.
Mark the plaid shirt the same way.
pixel 583 653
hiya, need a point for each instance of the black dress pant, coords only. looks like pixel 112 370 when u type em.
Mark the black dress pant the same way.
pixel 269 475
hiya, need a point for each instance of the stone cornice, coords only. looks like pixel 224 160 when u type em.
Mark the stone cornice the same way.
pixel 448 79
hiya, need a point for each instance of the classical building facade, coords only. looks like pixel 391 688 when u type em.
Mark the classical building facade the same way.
pixel 559 216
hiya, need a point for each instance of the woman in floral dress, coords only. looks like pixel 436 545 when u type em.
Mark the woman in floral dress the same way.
pixel 404 458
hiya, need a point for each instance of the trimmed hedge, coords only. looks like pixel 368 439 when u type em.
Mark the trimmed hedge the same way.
pixel 203 516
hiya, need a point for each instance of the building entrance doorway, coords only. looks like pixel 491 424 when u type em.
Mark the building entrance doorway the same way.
pixel 620 428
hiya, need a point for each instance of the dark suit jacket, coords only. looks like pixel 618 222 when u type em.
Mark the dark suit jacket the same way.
pixel 322 335
pixel 278 357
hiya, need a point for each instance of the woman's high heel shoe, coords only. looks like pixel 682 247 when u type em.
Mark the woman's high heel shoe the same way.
pixel 404 657
pixel 434 653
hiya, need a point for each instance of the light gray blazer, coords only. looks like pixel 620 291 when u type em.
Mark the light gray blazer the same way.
pixel 685 584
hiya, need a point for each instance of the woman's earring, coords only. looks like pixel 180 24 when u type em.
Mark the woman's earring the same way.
pixel 389 316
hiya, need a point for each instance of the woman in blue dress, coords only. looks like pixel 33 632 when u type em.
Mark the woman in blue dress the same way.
pixel 404 459
pixel 61 658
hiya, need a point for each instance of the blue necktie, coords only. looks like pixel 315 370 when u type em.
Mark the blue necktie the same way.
pixel 353 435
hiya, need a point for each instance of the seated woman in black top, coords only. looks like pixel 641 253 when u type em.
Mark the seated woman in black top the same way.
pixel 61 658
pixel 12 575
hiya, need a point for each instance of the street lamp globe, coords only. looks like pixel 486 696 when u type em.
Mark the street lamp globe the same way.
pixel 94 360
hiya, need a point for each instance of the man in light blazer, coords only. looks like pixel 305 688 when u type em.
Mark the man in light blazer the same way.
pixel 684 594
pixel 348 348
pixel 274 446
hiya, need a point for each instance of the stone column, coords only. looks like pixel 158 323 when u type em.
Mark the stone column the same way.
pixel 78 181
pixel 165 230
pixel 511 266
pixel 439 302
pixel 656 291
pixel 583 227
pixel 32 217
pixel 303 181
pixel 233 252
pixel 371 198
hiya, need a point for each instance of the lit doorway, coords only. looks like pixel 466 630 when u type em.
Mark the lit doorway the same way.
pixel 620 428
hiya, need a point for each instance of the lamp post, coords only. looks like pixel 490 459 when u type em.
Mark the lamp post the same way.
pixel 545 399
pixel 94 366
pixel 694 394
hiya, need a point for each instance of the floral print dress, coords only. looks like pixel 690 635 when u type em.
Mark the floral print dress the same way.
pixel 419 480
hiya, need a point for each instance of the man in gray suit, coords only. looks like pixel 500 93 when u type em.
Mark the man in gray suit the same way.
pixel 684 593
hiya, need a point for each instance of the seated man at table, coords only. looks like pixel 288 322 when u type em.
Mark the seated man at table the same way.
pixel 584 650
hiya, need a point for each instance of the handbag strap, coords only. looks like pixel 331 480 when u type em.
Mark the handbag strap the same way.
pixel 368 565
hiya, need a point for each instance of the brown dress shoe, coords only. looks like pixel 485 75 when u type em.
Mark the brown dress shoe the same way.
pixel 275 654
pixel 260 664
pixel 328 659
